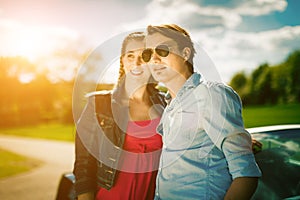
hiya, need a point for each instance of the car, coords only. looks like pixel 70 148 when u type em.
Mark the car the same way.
pixel 278 159
pixel 66 190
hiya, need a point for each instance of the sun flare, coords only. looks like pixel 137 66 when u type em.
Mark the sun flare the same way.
pixel 32 42
pixel 29 44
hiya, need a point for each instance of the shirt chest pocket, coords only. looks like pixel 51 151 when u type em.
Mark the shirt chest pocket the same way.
pixel 182 129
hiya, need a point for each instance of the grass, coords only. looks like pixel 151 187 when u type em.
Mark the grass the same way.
pixel 271 115
pixel 253 116
pixel 46 131
pixel 12 164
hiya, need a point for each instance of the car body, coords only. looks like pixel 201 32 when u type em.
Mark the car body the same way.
pixel 66 190
pixel 278 159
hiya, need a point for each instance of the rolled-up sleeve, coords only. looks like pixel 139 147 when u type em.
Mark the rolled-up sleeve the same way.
pixel 238 152
pixel 223 116
pixel 224 124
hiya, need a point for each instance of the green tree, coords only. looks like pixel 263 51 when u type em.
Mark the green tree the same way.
pixel 280 83
pixel 261 91
pixel 239 83
pixel 293 64
pixel 271 84
pixel 11 68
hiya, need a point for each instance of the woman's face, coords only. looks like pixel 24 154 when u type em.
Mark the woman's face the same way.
pixel 133 64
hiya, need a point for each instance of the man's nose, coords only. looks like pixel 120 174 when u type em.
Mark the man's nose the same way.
pixel 155 58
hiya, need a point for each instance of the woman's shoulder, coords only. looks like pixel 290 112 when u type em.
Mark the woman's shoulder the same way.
pixel 101 98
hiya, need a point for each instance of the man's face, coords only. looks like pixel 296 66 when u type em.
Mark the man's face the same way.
pixel 164 69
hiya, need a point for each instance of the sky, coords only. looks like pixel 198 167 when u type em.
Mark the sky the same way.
pixel 237 35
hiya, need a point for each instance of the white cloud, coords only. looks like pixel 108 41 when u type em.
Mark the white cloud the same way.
pixel 260 7
pixel 179 12
pixel 200 15
pixel 213 27
pixel 163 11
pixel 234 51
pixel 197 14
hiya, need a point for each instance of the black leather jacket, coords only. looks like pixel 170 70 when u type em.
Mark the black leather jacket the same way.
pixel 93 143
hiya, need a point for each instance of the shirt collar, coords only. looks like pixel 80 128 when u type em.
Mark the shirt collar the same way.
pixel 193 81
pixel 168 97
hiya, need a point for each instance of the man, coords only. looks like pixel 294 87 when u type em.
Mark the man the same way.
pixel 207 152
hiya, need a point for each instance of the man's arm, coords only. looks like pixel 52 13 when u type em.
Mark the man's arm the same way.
pixel 242 188
pixel 242 166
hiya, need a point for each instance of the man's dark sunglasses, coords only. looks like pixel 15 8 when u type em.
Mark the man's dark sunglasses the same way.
pixel 161 50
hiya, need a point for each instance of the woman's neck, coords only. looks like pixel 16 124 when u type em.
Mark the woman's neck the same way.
pixel 140 106
pixel 139 95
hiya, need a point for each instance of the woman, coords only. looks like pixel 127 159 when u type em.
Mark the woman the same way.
pixel 121 160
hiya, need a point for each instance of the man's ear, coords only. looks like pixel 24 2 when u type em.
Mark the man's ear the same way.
pixel 186 53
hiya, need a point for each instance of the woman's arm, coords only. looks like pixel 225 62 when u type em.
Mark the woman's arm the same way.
pixel 85 169
pixel 86 196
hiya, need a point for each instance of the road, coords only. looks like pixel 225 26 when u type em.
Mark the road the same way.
pixel 40 183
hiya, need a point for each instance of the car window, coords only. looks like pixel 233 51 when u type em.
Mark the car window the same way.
pixel 279 162
pixel 282 140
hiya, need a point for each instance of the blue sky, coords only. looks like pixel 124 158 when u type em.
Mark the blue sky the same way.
pixel 238 35
pixel 289 17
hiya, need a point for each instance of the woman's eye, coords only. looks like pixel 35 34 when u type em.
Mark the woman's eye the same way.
pixel 130 56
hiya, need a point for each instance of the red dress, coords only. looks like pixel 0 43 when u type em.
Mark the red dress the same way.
pixel 139 163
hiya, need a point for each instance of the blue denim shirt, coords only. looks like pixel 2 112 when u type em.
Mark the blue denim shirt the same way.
pixel 205 145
